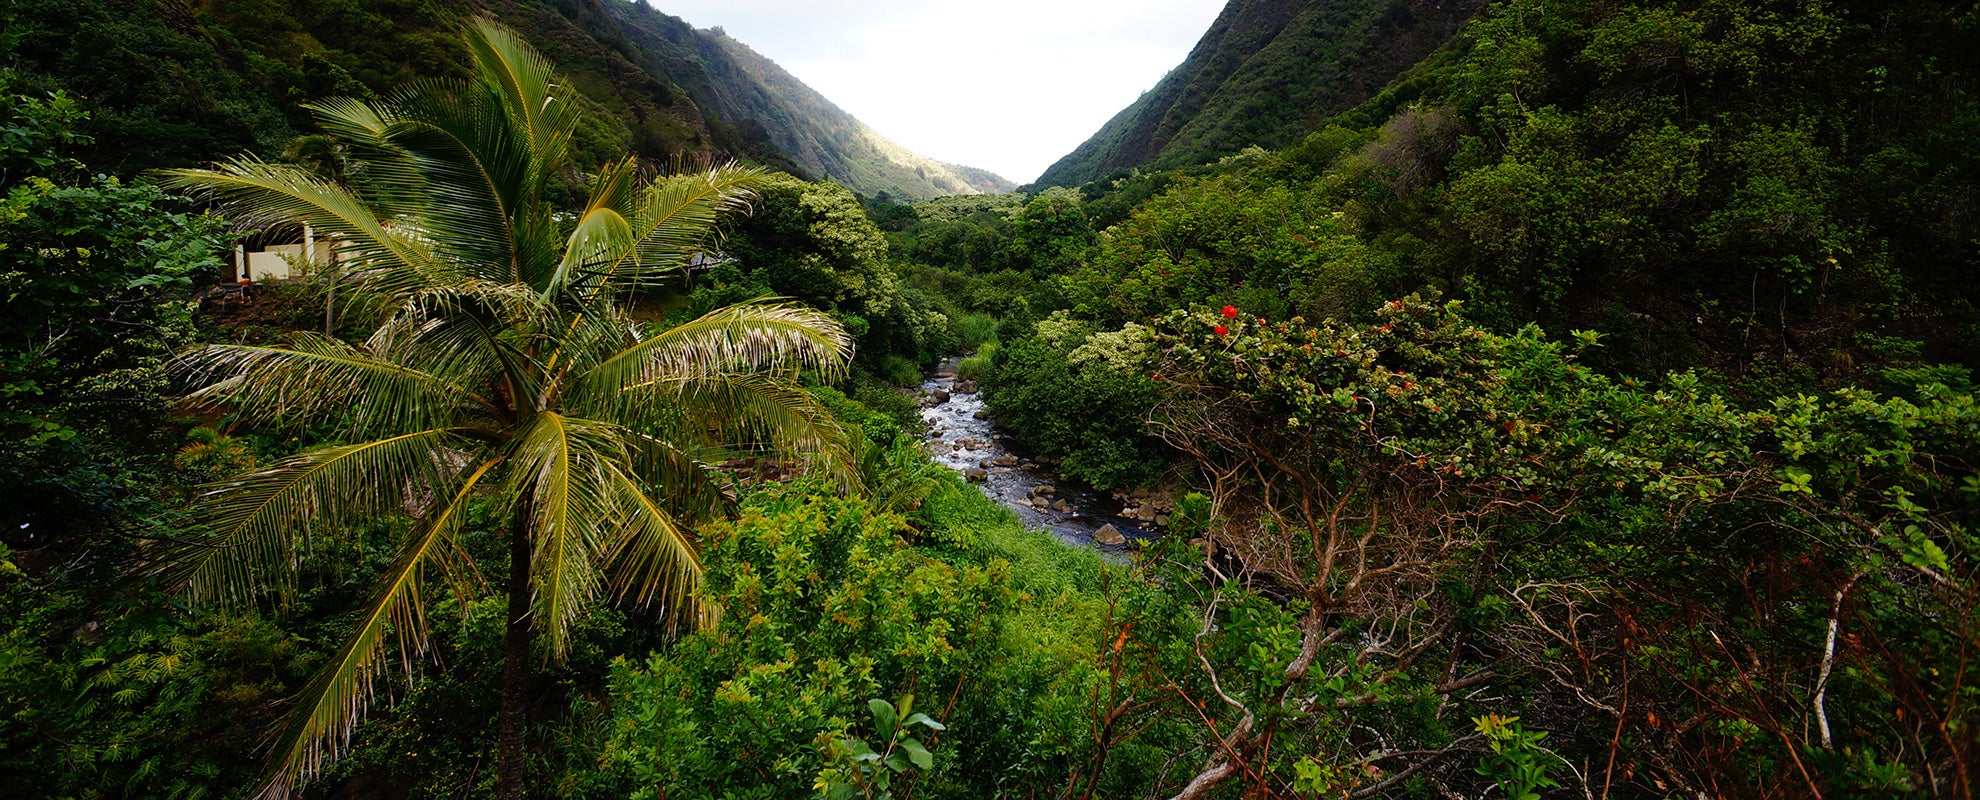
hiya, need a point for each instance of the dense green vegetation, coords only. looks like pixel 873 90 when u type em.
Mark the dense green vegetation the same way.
pixel 1586 413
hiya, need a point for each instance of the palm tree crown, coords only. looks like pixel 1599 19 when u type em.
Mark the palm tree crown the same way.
pixel 506 367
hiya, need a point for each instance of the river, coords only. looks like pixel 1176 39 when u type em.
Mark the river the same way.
pixel 962 437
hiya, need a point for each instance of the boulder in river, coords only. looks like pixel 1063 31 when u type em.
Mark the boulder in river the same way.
pixel 940 396
pixel 981 415
pixel 1005 460
pixel 1109 535
pixel 976 474
pixel 1062 507
pixel 966 387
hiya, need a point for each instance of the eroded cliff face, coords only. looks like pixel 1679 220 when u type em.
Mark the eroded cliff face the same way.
pixel 1263 74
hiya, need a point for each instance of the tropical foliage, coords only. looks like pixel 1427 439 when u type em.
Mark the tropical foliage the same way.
pixel 1586 413
pixel 505 364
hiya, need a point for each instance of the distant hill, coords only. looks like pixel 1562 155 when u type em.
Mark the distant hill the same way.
pixel 760 100
pixel 1263 74
pixel 178 82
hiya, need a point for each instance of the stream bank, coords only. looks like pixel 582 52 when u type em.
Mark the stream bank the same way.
pixel 963 437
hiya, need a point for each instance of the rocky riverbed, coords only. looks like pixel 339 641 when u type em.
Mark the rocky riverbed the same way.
pixel 963 437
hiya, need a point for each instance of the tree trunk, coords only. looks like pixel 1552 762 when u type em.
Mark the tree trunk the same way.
pixel 511 759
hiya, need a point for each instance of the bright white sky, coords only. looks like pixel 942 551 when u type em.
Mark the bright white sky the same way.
pixel 1006 85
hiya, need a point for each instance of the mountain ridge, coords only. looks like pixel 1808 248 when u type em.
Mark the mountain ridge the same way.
pixel 753 93
pixel 1263 74
pixel 174 83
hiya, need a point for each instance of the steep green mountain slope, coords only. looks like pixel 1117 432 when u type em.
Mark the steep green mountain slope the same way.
pixel 176 82
pixel 760 101
pixel 1263 74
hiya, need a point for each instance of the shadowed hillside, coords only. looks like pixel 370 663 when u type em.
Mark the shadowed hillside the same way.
pixel 176 82
pixel 1263 74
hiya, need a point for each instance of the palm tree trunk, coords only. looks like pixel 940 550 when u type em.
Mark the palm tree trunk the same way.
pixel 511 758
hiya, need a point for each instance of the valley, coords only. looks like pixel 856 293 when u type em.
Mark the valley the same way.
pixel 1400 399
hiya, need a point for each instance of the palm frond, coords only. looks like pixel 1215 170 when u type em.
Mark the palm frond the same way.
pixel 542 110
pixel 752 407
pixel 653 559
pixel 262 524
pixel 675 221
pixel 681 473
pixel 602 231
pixel 381 173
pixel 777 338
pixel 475 174
pixel 318 378
pixel 319 729
pixel 564 467
pixel 255 192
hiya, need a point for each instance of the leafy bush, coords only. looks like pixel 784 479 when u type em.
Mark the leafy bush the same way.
pixel 1067 400
pixel 825 607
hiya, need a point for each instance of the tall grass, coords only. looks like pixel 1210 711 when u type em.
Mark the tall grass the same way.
pixel 977 367
pixel 975 329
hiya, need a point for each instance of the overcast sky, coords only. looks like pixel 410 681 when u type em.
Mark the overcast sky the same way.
pixel 1006 85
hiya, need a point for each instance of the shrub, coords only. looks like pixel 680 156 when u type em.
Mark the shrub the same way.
pixel 824 608
pixel 1079 397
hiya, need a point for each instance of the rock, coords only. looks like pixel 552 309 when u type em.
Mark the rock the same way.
pixel 1044 488
pixel 1026 465
pixel 981 415
pixel 939 396
pixel 1109 535
pixel 966 387
pixel 1145 513
pixel 1000 471
pixel 1162 520
pixel 976 474
pixel 1005 460
pixel 945 372
pixel 1062 507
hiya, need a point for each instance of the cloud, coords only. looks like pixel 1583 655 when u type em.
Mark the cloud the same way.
pixel 1008 86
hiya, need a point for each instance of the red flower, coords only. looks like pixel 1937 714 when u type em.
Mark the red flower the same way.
pixel 1221 330
pixel 1261 320
pixel 1230 312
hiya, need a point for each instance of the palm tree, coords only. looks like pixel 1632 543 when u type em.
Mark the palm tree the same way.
pixel 506 370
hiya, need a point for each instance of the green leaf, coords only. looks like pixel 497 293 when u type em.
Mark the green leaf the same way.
pixel 919 754
pixel 883 716
pixel 923 720
pixel 1920 551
